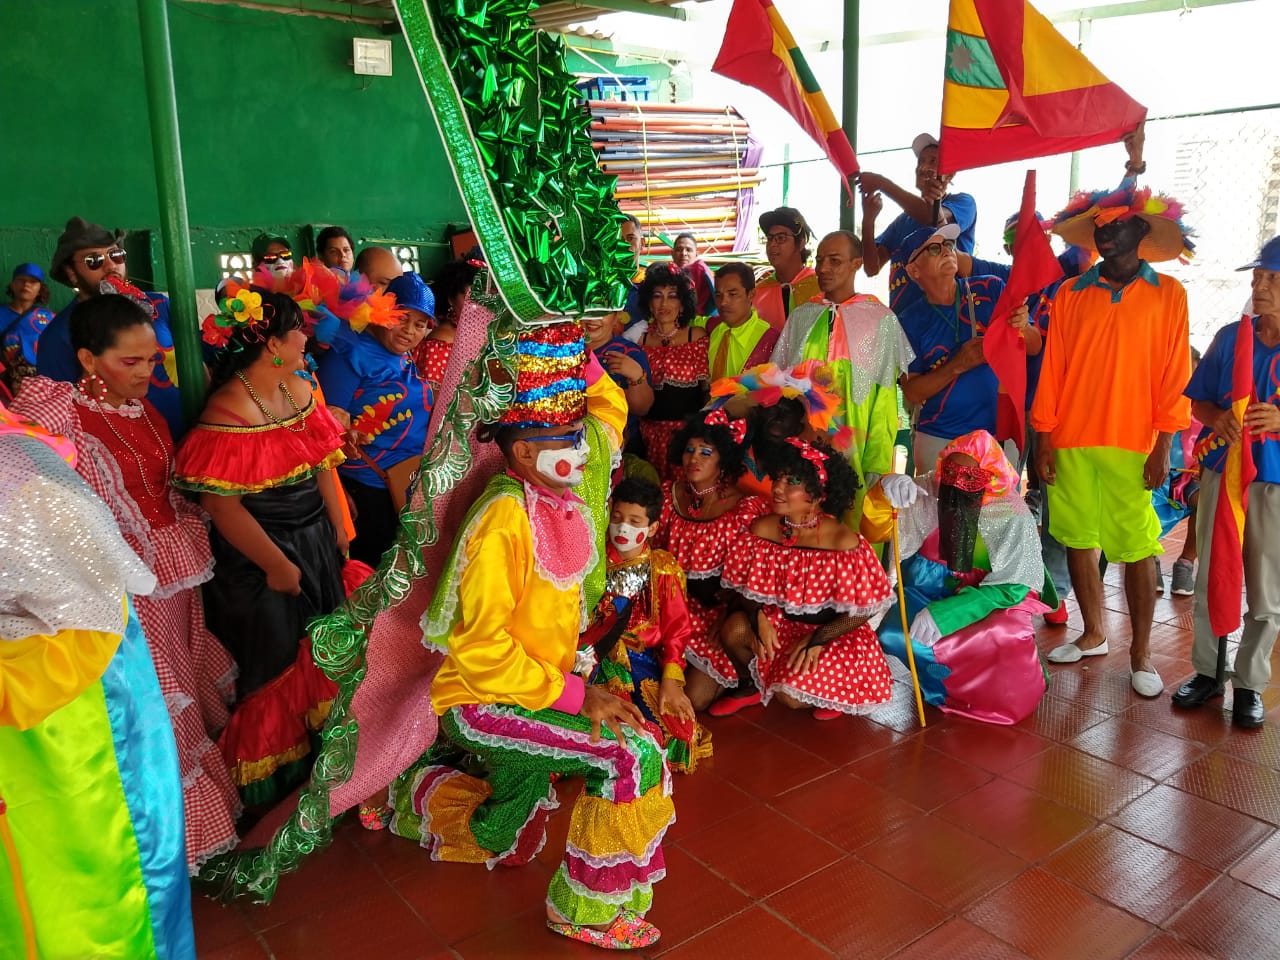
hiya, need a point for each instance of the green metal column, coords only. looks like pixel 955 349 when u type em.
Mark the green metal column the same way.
pixel 175 230
pixel 849 97
pixel 1073 183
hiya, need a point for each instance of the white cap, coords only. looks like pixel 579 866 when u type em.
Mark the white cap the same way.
pixel 922 143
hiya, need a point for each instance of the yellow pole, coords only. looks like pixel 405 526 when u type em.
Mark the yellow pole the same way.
pixel 906 634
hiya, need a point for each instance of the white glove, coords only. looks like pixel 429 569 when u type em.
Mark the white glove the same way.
pixel 584 662
pixel 900 490
pixel 924 629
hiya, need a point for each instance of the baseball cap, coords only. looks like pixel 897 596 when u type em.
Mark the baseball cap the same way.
pixel 922 143
pixel 948 231
pixel 28 270
pixel 1268 257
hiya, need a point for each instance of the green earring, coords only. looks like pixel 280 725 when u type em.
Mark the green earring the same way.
pixel 277 361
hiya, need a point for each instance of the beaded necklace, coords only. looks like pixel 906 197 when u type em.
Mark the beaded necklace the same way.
pixel 791 530
pixel 253 395
pixel 142 473
pixel 694 506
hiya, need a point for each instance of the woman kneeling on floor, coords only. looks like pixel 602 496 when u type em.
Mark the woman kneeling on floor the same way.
pixel 813 584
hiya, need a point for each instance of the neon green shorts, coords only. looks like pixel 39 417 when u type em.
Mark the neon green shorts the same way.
pixel 1100 499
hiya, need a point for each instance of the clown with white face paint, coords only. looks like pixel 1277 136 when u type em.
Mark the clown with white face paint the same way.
pixel 642 625
pixel 507 612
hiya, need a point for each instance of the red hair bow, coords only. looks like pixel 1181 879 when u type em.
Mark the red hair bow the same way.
pixel 814 456
pixel 737 428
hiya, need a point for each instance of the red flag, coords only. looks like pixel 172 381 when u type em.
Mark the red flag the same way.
pixel 1034 268
pixel 1016 88
pixel 1226 558
pixel 759 51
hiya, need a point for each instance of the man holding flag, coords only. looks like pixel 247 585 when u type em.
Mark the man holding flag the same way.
pixel 950 379
pixel 1235 392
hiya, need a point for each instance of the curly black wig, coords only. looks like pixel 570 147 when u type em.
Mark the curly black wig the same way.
pixel 732 455
pixel 668 275
pixel 785 460
pixel 643 493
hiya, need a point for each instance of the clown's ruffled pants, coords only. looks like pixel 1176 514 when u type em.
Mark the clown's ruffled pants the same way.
pixel 613 854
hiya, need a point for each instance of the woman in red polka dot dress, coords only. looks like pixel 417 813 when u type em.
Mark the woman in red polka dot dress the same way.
pixel 810 585
pixel 702 515
pixel 677 354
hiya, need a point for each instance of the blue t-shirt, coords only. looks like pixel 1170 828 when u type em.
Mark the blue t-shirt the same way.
pixel 636 353
pixel 902 289
pixel 1037 305
pixel 938 332
pixel 57 361
pixel 1212 382
pixel 20 333
pixel 358 374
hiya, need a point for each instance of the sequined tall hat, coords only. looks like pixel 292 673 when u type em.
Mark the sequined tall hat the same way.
pixel 551 383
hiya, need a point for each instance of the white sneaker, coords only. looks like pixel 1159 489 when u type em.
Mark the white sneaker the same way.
pixel 1070 653
pixel 1146 683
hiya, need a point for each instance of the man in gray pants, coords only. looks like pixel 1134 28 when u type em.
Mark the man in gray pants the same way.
pixel 1210 393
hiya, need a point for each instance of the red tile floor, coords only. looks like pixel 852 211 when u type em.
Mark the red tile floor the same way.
pixel 1102 827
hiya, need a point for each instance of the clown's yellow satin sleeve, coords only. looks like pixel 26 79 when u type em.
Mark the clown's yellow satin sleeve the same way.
pixel 607 402
pixel 40 674
pixel 877 516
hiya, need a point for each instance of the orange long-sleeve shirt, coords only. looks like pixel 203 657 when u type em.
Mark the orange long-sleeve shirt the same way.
pixel 1115 363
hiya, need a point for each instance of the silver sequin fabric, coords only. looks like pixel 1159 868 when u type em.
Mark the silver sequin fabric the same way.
pixel 628 581
pixel 65 565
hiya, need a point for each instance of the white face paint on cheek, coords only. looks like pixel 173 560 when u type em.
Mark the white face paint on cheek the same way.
pixel 625 536
pixel 563 466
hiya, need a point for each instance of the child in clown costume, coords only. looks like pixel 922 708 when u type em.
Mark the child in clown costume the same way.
pixel 508 612
pixel 642 626
pixel 974 579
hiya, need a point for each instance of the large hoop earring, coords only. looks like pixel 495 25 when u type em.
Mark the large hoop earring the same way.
pixel 93 387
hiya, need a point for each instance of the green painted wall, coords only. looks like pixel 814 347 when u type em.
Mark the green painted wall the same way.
pixel 277 133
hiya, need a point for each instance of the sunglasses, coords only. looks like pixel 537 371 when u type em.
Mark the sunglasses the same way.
pixel 577 438
pixel 934 249
pixel 277 257
pixel 94 260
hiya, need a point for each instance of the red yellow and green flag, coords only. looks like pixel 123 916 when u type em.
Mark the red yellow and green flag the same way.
pixel 759 51
pixel 1016 88
pixel 1226 572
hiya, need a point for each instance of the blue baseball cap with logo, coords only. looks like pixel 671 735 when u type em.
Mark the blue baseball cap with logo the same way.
pixel 1268 257
pixel 28 270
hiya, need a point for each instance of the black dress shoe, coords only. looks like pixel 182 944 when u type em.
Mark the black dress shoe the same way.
pixel 1196 692
pixel 1246 708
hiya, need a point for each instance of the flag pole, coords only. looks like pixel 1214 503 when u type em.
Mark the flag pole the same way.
pixel 849 97
pixel 1222 661
pixel 906 631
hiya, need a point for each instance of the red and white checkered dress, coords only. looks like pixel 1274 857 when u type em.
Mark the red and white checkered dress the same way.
pixel 800 588
pixel 117 447
pixel 701 547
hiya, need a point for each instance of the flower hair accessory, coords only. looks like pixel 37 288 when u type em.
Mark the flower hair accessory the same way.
pixel 241 308
pixel 737 428
pixel 811 382
pixel 814 456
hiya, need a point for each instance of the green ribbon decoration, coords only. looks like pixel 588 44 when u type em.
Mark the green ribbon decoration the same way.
pixel 517 137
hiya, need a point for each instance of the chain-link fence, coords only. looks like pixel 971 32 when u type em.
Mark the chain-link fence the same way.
pixel 1225 168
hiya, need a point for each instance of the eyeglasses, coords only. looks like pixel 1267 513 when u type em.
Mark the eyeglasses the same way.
pixel 577 438
pixel 277 257
pixel 95 260
pixel 779 237
pixel 934 249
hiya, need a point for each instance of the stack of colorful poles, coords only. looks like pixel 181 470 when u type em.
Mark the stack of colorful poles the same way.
pixel 680 168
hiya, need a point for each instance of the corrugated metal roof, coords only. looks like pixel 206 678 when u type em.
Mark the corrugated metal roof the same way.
pixel 558 15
